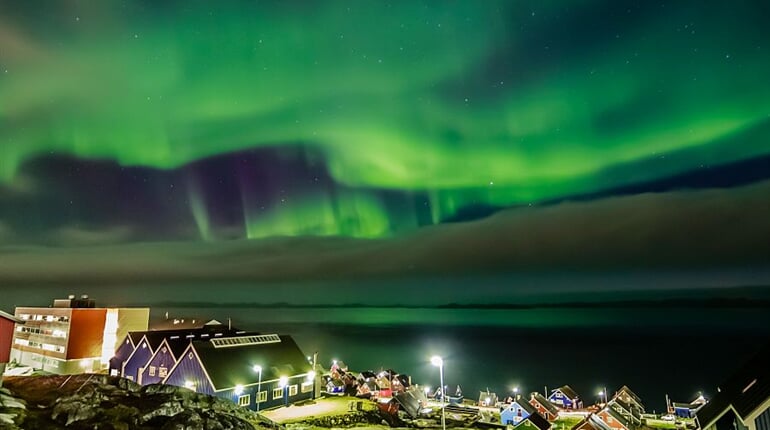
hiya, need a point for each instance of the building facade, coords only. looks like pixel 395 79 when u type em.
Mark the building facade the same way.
pixel 254 371
pixel 72 336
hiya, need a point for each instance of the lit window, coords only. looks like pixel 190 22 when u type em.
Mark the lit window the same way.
pixel 307 387
pixel 293 390
pixel 162 371
pixel 277 393
pixel 262 397
pixel 244 400
pixel 152 370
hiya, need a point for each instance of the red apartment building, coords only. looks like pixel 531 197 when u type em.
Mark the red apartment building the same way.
pixel 73 335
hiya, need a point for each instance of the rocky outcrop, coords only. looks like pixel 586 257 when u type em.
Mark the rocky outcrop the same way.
pixel 102 402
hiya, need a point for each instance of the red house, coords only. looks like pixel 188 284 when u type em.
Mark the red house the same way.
pixel 7 325
pixel 613 419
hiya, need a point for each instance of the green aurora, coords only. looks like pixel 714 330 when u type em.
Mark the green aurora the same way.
pixel 495 103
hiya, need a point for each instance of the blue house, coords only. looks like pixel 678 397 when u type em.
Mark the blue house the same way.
pixel 138 348
pixel 225 367
pixel 164 358
pixel 565 398
pixel 126 348
pixel 520 411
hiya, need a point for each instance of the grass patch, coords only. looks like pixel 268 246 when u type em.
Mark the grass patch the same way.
pixel 565 422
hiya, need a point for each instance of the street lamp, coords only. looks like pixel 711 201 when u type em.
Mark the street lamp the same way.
pixel 283 382
pixel 257 368
pixel 603 393
pixel 438 361
pixel 515 393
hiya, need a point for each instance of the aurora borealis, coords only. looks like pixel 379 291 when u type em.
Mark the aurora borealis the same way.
pixel 132 123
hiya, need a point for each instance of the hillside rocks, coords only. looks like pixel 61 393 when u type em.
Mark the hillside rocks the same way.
pixel 102 402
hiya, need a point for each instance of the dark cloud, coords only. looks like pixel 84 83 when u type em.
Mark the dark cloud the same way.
pixel 698 230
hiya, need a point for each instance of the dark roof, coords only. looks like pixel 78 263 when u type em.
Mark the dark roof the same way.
pixel 546 404
pixel 568 391
pixel 233 365
pixel 745 390
pixel 179 339
pixel 685 405
pixel 537 419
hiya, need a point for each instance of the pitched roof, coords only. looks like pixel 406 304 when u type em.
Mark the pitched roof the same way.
pixel 536 419
pixel 11 317
pixel 593 422
pixel 568 391
pixel 630 393
pixel 546 404
pixel 627 407
pixel 178 339
pixel 232 365
pixel 745 390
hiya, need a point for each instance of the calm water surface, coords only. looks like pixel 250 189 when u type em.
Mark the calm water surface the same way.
pixel 675 351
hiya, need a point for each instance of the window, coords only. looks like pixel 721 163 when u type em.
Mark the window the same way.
pixel 152 370
pixel 244 400
pixel 277 393
pixel 262 397
pixel 113 372
pixel 293 390
pixel 307 387
pixel 162 372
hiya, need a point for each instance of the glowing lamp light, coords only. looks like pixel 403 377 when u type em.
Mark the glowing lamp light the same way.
pixel 436 361
pixel 257 368
pixel 283 381
pixel 427 390
pixel 239 389
pixel 310 375
pixel 189 385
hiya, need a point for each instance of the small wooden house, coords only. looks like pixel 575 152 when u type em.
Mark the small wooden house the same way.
pixel 565 397
pixel 613 419
pixel 545 408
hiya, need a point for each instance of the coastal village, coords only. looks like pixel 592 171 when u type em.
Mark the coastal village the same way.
pixel 265 379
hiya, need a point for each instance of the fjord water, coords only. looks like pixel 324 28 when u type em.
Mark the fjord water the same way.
pixel 674 350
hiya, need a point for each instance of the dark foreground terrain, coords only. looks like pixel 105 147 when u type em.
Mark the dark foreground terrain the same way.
pixel 110 403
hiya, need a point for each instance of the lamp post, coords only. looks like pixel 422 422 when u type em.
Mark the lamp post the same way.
pixel 257 368
pixel 438 361
pixel 515 393
pixel 283 381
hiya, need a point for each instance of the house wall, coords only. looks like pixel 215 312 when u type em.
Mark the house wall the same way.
pixel 138 359
pixel 558 398
pixel 611 421
pixel 6 339
pixel 121 355
pixel 762 422
pixel 542 410
pixel 189 368
pixel 153 372
pixel 269 386
pixel 513 414
pixel 86 333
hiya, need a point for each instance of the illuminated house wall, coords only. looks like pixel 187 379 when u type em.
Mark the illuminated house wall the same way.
pixel 73 335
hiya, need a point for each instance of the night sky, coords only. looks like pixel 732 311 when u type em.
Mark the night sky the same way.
pixel 261 142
